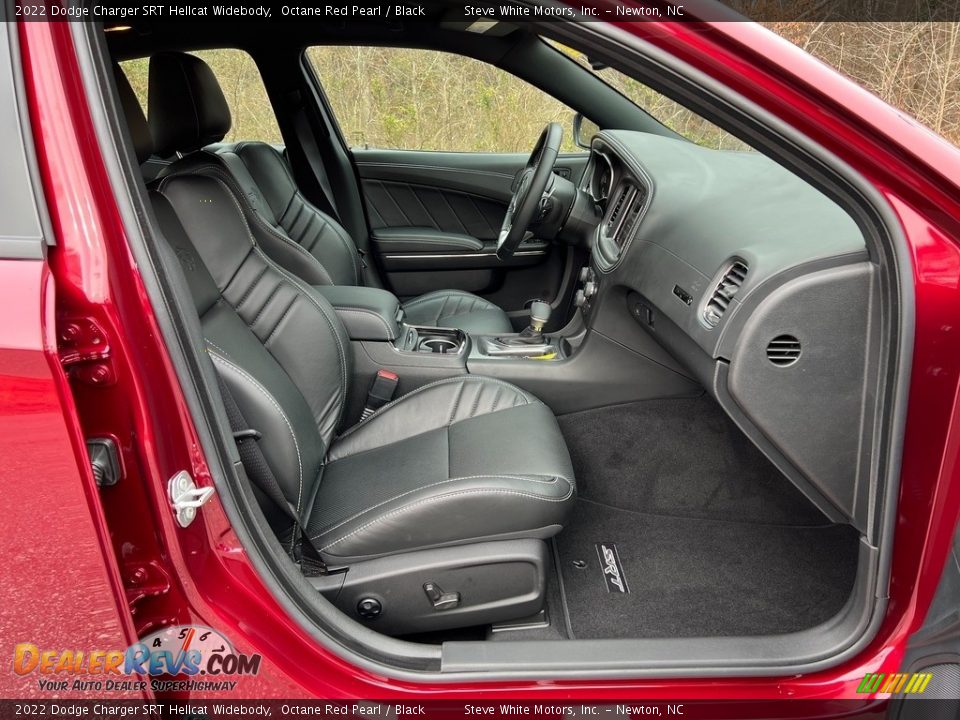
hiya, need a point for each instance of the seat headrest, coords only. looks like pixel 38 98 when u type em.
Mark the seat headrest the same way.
pixel 187 109
pixel 136 120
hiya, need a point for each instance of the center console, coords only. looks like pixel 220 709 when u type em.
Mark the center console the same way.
pixel 599 358
pixel 432 341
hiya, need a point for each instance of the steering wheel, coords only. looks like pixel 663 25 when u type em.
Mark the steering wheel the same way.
pixel 534 180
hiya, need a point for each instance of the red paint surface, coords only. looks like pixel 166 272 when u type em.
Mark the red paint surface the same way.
pixel 56 591
pixel 212 581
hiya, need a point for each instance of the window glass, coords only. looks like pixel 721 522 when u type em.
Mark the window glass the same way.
pixel 138 74
pixel 235 70
pixel 672 114
pixel 410 99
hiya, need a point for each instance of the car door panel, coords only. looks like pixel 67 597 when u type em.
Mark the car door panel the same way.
pixel 393 203
pixel 465 194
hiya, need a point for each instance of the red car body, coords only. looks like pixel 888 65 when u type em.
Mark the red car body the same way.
pixel 89 569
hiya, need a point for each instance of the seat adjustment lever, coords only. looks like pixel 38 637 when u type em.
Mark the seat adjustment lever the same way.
pixel 441 600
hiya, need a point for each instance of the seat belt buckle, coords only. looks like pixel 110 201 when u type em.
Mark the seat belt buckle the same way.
pixel 381 391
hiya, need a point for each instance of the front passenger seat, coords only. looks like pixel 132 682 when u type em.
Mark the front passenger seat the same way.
pixel 188 114
pixel 459 481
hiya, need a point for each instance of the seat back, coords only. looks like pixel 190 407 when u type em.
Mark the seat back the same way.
pixel 188 114
pixel 278 345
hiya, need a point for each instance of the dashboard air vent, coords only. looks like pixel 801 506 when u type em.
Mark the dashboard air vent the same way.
pixel 723 292
pixel 629 224
pixel 618 207
pixel 783 350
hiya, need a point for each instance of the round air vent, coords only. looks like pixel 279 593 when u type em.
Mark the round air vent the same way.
pixel 783 350
pixel 726 286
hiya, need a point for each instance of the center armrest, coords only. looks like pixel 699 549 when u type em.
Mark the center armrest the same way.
pixel 368 313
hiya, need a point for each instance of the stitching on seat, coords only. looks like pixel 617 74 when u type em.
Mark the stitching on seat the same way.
pixel 341 353
pixel 443 295
pixel 279 323
pixel 389 500
pixel 253 285
pixel 456 404
pixel 444 320
pixel 226 178
pixel 306 293
pixel 476 403
pixel 440 498
pixel 443 306
pixel 249 378
pixel 435 383
pixel 217 347
pixel 263 308
pixel 347 241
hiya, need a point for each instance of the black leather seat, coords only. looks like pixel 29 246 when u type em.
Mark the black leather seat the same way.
pixel 188 114
pixel 462 460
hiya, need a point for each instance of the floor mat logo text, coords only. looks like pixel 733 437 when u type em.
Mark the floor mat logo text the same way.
pixel 613 574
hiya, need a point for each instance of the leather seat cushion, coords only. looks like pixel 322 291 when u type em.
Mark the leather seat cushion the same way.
pixel 457 309
pixel 461 460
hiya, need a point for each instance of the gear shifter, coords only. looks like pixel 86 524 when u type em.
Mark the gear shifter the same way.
pixel 529 343
pixel 533 334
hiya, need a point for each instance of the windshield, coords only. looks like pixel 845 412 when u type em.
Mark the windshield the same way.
pixel 671 114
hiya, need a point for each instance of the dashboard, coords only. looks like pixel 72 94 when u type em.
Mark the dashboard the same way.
pixel 757 285
pixel 695 231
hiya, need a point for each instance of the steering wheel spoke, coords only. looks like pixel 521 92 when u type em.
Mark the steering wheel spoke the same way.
pixel 525 204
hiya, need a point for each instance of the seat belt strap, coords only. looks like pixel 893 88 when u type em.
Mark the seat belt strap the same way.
pixel 302 549
pixel 311 151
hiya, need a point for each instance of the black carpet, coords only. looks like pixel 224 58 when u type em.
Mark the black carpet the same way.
pixel 679 457
pixel 713 540
pixel 702 578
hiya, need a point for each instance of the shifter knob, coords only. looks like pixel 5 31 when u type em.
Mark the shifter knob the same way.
pixel 539 315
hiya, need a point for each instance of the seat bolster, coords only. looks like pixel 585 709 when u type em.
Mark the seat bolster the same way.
pixel 219 163
pixel 457 309
pixel 294 217
pixel 454 512
pixel 435 405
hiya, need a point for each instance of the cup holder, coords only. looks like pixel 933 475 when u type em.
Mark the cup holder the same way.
pixel 437 341
pixel 439 345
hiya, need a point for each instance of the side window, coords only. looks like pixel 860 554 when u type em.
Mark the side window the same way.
pixel 409 99
pixel 253 117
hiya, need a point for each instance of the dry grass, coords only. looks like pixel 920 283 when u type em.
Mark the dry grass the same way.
pixel 426 100
pixel 913 66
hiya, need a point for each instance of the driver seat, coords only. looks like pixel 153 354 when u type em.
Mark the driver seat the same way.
pixel 188 115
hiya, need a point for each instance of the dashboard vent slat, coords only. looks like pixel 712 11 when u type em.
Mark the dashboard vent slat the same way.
pixel 783 350
pixel 615 214
pixel 723 292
